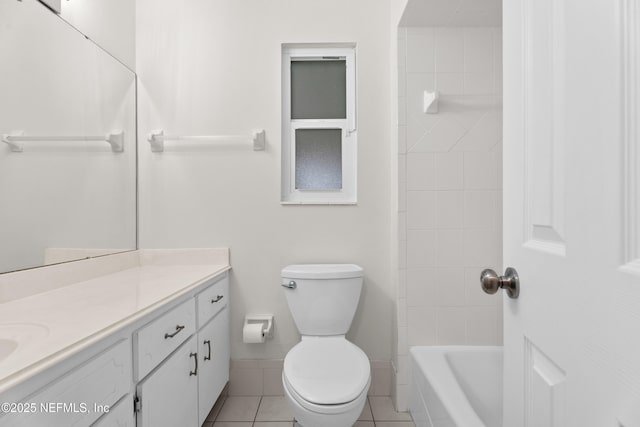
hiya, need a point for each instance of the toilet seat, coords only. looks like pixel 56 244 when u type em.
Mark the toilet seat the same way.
pixel 326 371
pixel 353 406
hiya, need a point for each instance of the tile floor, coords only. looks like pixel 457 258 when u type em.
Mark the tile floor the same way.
pixel 272 411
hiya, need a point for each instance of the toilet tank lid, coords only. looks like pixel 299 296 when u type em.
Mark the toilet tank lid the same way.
pixel 322 271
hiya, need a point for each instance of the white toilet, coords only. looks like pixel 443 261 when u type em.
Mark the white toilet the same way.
pixel 325 377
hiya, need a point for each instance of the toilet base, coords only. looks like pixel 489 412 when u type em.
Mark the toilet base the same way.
pixel 341 415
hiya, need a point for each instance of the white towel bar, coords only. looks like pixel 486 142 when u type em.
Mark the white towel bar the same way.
pixel 16 138
pixel 157 138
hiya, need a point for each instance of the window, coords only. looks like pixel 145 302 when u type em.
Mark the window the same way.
pixel 318 127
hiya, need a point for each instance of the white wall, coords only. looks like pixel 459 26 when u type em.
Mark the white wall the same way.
pixel 109 23
pixel 213 67
pixel 62 194
pixel 450 189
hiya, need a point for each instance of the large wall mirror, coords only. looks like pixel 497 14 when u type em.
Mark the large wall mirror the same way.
pixel 68 153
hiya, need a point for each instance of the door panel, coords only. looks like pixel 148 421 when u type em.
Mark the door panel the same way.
pixel 543 124
pixel 571 212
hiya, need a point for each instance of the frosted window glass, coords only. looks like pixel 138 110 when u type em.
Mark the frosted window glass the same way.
pixel 319 89
pixel 318 159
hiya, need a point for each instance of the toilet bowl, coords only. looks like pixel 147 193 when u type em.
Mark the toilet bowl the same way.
pixel 325 377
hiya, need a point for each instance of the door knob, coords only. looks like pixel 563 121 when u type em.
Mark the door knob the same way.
pixel 510 282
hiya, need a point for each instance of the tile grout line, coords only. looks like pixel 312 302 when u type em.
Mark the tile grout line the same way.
pixel 255 416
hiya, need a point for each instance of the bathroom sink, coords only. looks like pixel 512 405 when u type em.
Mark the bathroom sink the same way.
pixel 12 335
pixel 7 347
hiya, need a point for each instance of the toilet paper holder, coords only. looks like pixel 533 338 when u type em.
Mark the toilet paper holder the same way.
pixel 265 319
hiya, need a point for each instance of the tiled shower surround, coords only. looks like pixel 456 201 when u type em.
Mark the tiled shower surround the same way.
pixel 450 189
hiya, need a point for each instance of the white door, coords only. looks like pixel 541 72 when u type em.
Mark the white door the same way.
pixel 572 212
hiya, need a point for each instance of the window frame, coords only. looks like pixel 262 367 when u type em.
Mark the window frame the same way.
pixel 348 193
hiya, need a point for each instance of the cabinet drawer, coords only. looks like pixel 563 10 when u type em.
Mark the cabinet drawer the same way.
pixel 159 338
pixel 212 300
pixel 120 415
pixel 79 397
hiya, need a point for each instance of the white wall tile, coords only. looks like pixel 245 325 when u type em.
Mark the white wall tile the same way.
pixel 402 283
pixel 402 84
pixel 450 286
pixel 451 325
pixel 484 134
pixel 422 287
pixel 421 51
pixel 421 248
pixel 402 50
pixel 402 139
pixel 478 50
pixel 449 50
pixel 481 325
pixel 482 248
pixel 421 207
pixel 421 171
pixel 450 209
pixel 449 247
pixel 402 254
pixel 402 196
pixel 402 225
pixel 481 171
pixel 402 111
pixel 478 84
pixel 402 369
pixel 441 137
pixel 402 168
pixel 402 312
pixel 449 171
pixel 452 193
pixel 481 209
pixel 422 326
pixel 449 84
pixel 403 340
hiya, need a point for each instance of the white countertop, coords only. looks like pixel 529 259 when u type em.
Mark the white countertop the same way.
pixel 52 325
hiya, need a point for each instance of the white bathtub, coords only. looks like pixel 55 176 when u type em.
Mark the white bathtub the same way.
pixel 455 386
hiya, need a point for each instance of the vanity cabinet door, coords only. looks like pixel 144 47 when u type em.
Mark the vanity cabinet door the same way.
pixel 120 415
pixel 168 397
pixel 214 354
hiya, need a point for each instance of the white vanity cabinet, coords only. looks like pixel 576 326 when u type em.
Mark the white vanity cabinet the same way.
pixel 135 339
pixel 213 345
pixel 169 396
pixel 80 396
pixel 119 415
pixel 178 387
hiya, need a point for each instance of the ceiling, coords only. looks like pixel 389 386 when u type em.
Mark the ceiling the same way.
pixel 452 13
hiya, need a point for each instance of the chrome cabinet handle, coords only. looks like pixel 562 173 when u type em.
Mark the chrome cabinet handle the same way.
pixel 178 329
pixel 216 299
pixel 290 285
pixel 208 343
pixel 195 357
pixel 510 282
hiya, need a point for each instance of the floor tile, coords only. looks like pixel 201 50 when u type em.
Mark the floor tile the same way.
pixel 230 424
pixel 383 410
pixel 239 408
pixel 274 408
pixel 216 409
pixel 366 414
pixel 273 424
pixel 395 424
pixel 364 424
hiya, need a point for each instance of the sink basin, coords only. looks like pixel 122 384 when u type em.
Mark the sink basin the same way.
pixel 7 347
pixel 14 334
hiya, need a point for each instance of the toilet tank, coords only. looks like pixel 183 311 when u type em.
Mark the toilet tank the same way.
pixel 325 297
